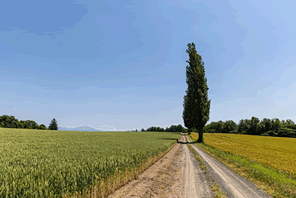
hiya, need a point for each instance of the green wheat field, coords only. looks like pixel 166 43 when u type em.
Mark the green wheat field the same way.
pixel 39 163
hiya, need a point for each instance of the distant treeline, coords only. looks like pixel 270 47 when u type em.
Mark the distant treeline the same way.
pixel 253 126
pixel 173 128
pixel 7 121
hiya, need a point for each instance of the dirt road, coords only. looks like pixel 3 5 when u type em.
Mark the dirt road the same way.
pixel 196 183
pixel 230 183
pixel 178 174
pixel 165 178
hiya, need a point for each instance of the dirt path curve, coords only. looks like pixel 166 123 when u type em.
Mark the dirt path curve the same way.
pixel 177 174
pixel 230 183
pixel 163 179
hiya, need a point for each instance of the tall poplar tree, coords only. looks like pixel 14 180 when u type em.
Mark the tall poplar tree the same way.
pixel 196 103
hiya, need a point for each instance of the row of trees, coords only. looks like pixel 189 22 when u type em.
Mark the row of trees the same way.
pixel 172 128
pixel 7 121
pixel 253 126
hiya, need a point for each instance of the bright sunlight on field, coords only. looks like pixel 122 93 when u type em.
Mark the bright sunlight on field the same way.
pixel 269 162
pixel 276 152
pixel 52 163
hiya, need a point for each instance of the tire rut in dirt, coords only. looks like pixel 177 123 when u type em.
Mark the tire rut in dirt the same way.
pixel 196 184
pixel 233 185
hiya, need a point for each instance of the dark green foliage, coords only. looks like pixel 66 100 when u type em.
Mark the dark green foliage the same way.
pixel 244 126
pixel 32 124
pixel 270 133
pixel 228 126
pixel 196 103
pixel 53 125
pixel 173 128
pixel 254 129
pixel 214 127
pixel 276 125
pixel 153 128
pixel 7 121
pixel 253 126
pixel 25 125
pixel 42 127
pixel 241 126
pixel 192 130
pixel 266 127
pixel 177 128
pixel 188 121
pixel 286 132
pixel 289 124
pixel 11 122
pixel 267 124
pixel 221 127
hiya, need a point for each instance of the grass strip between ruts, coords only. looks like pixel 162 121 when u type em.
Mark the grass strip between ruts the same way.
pixel 273 182
pixel 214 187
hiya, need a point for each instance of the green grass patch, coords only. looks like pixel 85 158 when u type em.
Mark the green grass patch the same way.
pixel 216 189
pixel 198 158
pixel 274 182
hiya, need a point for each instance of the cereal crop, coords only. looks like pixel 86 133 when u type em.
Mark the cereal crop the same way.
pixel 43 163
pixel 275 152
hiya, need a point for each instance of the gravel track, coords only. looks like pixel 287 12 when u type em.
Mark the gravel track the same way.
pixel 164 179
pixel 178 174
pixel 196 184
pixel 230 183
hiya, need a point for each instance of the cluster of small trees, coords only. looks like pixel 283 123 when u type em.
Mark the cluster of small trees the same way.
pixel 7 121
pixel 253 126
pixel 172 128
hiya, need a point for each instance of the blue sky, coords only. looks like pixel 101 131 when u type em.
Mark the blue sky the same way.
pixel 120 65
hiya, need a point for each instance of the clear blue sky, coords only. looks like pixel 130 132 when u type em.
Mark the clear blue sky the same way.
pixel 120 65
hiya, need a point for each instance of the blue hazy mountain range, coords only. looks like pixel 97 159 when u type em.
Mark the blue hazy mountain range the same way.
pixel 81 128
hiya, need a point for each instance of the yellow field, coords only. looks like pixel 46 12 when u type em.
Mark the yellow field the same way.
pixel 275 152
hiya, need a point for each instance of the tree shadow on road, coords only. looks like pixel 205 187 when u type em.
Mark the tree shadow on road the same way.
pixel 177 140
pixel 185 142
pixel 168 138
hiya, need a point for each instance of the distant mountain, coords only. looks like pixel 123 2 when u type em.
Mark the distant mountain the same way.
pixel 81 128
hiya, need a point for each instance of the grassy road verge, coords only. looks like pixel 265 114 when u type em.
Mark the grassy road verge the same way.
pixel 272 181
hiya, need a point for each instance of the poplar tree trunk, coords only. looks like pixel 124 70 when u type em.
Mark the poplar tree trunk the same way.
pixel 200 136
